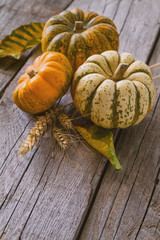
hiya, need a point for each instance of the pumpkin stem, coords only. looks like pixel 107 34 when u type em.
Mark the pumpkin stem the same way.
pixel 31 73
pixel 119 71
pixel 78 27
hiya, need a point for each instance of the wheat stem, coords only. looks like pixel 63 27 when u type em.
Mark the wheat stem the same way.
pixel 154 65
pixel 156 77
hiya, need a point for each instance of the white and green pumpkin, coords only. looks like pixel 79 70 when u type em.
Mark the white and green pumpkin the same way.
pixel 113 90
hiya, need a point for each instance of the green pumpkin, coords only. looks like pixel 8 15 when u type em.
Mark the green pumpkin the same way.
pixel 79 34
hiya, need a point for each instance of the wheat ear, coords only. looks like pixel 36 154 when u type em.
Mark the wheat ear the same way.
pixel 37 131
pixel 60 137
pixel 65 121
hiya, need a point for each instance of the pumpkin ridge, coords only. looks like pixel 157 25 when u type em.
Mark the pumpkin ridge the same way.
pixel 114 108
pixel 84 49
pixel 47 41
pixel 137 104
pixel 104 19
pixel 108 40
pixel 127 62
pixel 107 63
pixel 79 78
pixel 69 15
pixel 87 54
pixel 68 20
pixel 95 33
pixel 88 16
pixel 59 43
pixel 96 62
pixel 94 49
pixel 149 86
pixel 16 99
pixel 88 107
pixel 59 25
pixel 119 58
pixel 103 40
pixel 109 26
pixel 60 20
pixel 25 102
pixel 70 46
pixel 140 70
pixel 78 13
pixel 149 106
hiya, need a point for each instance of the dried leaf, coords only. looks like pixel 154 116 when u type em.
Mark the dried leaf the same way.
pixel 102 140
pixel 21 39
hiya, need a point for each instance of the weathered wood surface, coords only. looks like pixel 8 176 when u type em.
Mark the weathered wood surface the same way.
pixel 127 205
pixel 45 198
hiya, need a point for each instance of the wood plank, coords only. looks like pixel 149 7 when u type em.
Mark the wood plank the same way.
pixel 150 228
pixel 124 205
pixel 45 198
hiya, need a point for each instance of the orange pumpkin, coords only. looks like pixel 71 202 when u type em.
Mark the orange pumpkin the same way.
pixel 79 34
pixel 43 83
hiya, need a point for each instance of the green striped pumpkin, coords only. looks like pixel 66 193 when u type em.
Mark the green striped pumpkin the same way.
pixel 113 90
pixel 79 34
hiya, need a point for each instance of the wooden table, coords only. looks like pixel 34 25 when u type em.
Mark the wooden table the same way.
pixel 84 198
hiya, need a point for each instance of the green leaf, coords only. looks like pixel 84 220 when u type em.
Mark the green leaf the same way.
pixel 102 140
pixel 21 39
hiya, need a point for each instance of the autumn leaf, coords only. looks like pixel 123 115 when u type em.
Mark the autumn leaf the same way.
pixel 21 39
pixel 102 140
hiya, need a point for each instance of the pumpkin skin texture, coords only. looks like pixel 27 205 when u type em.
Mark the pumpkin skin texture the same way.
pixel 43 83
pixel 112 97
pixel 79 34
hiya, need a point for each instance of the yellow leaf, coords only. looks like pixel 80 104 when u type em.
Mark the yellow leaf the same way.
pixel 102 140
pixel 21 39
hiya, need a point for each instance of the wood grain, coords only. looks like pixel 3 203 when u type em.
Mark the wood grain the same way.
pixel 45 198
pixel 124 206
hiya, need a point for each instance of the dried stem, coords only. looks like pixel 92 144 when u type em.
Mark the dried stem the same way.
pixel 156 77
pixel 154 65
pixel 61 108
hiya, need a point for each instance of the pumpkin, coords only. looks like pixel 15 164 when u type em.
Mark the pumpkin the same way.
pixel 43 83
pixel 79 34
pixel 113 89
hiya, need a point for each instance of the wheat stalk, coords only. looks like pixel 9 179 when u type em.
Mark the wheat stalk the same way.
pixel 35 134
pixel 60 137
